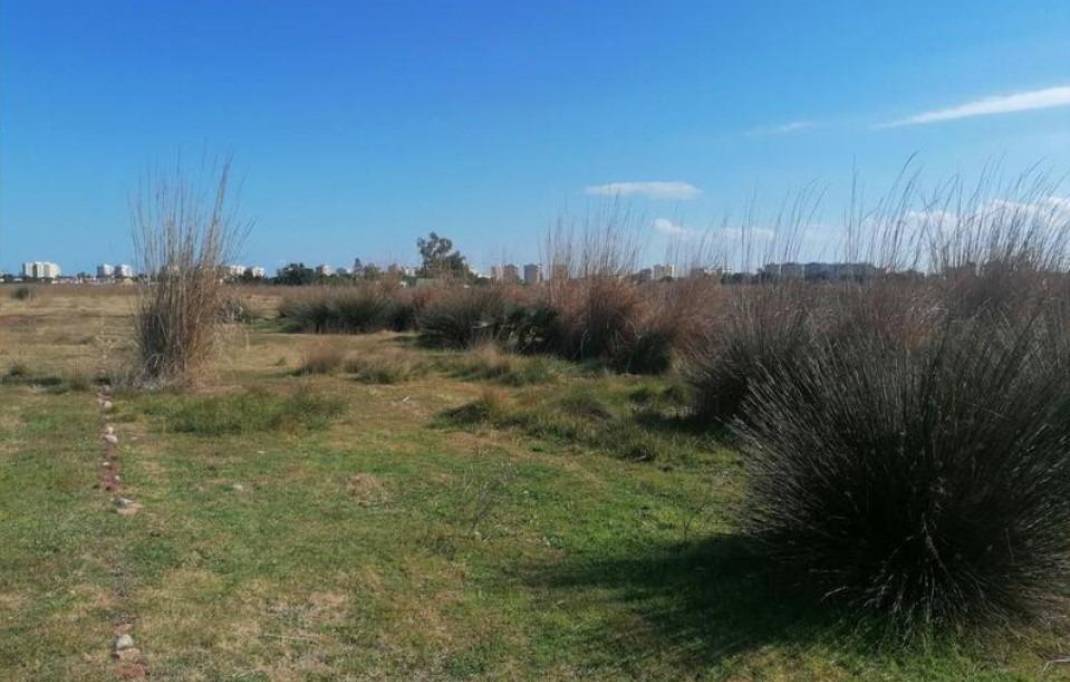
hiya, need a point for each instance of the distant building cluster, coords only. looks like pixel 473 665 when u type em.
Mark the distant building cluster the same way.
pixel 530 274
pixel 820 271
pixel 235 271
pixel 47 271
pixel 106 271
pixel 40 269
pixel 534 273
pixel 657 273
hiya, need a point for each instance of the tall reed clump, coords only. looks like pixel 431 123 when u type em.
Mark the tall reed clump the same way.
pixel 919 466
pixel 184 231
pixel 592 308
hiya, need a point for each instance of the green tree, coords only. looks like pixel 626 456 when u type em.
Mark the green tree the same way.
pixel 440 258
pixel 296 274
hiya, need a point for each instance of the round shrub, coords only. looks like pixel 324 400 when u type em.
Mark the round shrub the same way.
pixel 463 318
pixel 763 334
pixel 929 484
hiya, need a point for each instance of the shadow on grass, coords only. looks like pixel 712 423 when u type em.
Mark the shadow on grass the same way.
pixel 690 605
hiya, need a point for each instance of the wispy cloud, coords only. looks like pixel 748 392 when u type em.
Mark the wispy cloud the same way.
pixel 654 190
pixel 783 129
pixel 668 227
pixel 987 106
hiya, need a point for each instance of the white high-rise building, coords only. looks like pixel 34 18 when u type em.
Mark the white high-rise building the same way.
pixel 105 271
pixel 258 272
pixel 324 270
pixel 124 271
pixel 39 269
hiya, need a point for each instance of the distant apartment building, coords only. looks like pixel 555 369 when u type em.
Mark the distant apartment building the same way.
pixel 105 271
pixel 698 272
pixel 123 271
pixel 257 272
pixel 505 273
pixel 324 270
pixel 532 273
pixel 661 272
pixel 40 270
pixel 645 275
pixel 234 270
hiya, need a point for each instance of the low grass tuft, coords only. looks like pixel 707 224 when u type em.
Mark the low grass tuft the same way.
pixel 384 369
pixel 488 362
pixel 491 406
pixel 322 359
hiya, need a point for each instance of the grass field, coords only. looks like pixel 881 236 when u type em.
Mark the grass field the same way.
pixel 407 515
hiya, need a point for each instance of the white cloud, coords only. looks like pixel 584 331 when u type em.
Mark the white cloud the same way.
pixel 999 104
pixel 784 129
pixel 668 227
pixel 654 190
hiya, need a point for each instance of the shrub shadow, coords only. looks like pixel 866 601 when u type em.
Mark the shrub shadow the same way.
pixel 693 604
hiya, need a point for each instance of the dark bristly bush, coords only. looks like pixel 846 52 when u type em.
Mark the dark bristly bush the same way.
pixel 932 485
pixel 22 293
pixel 464 318
pixel 762 332
pixel 349 310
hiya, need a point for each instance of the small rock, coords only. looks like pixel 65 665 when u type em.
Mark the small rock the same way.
pixel 106 405
pixel 105 464
pixel 238 488
pixel 108 428
pixel 124 642
pixel 124 506
pixel 111 439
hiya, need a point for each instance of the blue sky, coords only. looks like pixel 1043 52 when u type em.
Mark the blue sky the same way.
pixel 359 126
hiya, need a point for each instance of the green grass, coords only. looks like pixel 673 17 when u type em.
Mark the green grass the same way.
pixel 606 416
pixel 325 528
pixel 489 364
pixel 246 412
